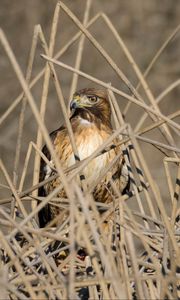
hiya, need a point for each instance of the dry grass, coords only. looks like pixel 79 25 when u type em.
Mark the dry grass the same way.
pixel 39 268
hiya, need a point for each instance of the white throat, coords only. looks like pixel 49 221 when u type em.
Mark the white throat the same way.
pixel 85 122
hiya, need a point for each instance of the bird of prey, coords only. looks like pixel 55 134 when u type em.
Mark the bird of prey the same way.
pixel 91 124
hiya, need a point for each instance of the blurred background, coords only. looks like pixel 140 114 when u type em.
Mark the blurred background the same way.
pixel 143 25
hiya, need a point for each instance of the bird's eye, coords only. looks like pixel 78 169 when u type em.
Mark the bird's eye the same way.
pixel 93 99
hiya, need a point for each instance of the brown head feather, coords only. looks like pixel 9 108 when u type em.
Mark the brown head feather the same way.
pixel 100 112
pixel 93 91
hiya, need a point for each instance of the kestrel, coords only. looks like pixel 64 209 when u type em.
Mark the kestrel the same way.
pixel 91 124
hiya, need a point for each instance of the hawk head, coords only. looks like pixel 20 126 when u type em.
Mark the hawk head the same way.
pixel 91 104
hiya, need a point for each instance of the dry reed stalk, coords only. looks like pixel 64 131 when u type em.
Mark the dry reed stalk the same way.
pixel 140 77
pixel 131 248
pixel 34 108
pixel 176 191
pixel 108 263
pixel 158 101
pixel 13 189
pixel 17 265
pixel 155 191
pixel 40 74
pixel 158 144
pixel 44 98
pixel 26 162
pixel 80 50
pixel 22 116
pixel 154 59
pixel 140 174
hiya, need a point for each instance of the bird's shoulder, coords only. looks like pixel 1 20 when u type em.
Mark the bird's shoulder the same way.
pixel 53 135
pixel 46 152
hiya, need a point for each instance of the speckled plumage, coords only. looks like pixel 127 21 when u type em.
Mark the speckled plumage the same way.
pixel 91 124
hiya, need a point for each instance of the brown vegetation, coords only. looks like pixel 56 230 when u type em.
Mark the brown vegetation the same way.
pixel 145 107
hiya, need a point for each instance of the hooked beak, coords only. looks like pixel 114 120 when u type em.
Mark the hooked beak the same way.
pixel 75 103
